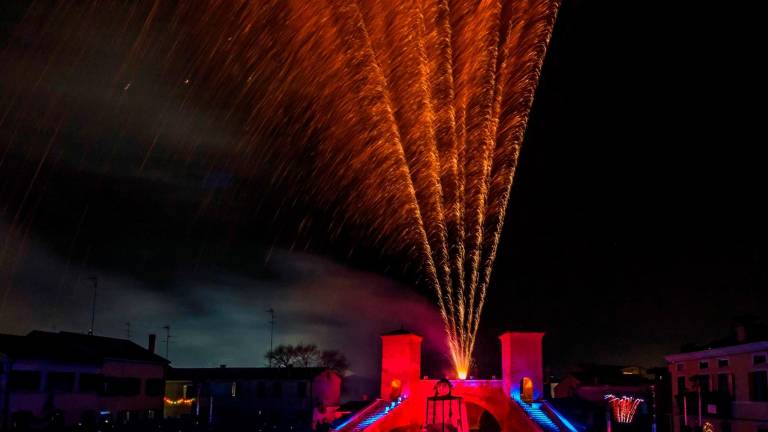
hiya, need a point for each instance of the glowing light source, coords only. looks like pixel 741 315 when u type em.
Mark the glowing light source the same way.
pixel 623 408
pixel 462 373
pixel 370 415
pixel 181 401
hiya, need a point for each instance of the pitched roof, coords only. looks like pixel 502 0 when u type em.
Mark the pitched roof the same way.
pixel 74 347
pixel 230 374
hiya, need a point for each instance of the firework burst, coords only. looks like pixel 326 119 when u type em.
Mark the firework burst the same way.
pixel 624 408
pixel 403 120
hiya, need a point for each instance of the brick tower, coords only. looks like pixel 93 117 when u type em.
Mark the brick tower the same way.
pixel 400 363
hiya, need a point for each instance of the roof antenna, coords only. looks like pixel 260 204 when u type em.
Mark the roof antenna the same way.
pixel 271 312
pixel 95 281
pixel 168 336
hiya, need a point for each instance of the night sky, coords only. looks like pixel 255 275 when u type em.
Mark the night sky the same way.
pixel 636 221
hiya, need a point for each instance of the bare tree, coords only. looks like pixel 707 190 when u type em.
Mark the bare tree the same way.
pixel 334 360
pixel 281 356
pixel 307 356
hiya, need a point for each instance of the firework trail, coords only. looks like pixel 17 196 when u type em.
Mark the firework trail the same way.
pixel 405 65
pixel 478 142
pixel 400 121
pixel 523 48
pixel 624 408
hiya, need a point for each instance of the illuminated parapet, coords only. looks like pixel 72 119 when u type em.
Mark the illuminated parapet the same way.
pixel 521 366
pixel 368 417
pixel 400 364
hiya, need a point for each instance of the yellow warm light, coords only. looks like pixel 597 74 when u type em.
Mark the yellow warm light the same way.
pixel 461 360
pixel 181 401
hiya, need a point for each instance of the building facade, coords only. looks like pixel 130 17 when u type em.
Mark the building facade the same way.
pixel 268 398
pixel 721 389
pixel 62 379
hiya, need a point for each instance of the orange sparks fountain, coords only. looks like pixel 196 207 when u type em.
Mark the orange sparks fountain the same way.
pixel 402 118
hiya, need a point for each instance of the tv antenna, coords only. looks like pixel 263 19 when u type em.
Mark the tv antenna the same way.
pixel 168 336
pixel 95 281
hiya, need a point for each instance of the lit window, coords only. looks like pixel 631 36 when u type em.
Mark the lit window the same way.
pixel 703 365
pixel 234 389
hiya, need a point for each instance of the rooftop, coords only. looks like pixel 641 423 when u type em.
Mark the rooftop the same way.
pixel 74 347
pixel 229 374
pixel 744 337
pixel 399 332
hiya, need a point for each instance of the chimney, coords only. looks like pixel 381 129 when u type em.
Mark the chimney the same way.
pixel 741 333
pixel 152 343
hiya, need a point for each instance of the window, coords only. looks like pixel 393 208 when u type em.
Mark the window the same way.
pixel 680 366
pixel 301 389
pixel 758 386
pixel 91 383
pixel 277 389
pixel 120 386
pixel 234 388
pixel 24 381
pixel 680 385
pixel 703 365
pixel 758 359
pixel 155 387
pixel 60 382
pixel 703 382
pixel 723 382
pixel 721 363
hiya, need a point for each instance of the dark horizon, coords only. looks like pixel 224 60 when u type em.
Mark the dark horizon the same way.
pixel 635 224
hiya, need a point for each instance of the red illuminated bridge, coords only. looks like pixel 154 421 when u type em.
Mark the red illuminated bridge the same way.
pixel 409 403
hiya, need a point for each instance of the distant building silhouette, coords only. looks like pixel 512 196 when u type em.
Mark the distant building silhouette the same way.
pixel 65 378
pixel 284 398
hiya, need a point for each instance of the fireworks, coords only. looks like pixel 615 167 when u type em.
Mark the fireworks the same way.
pixel 623 408
pixel 415 112
pixel 402 119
